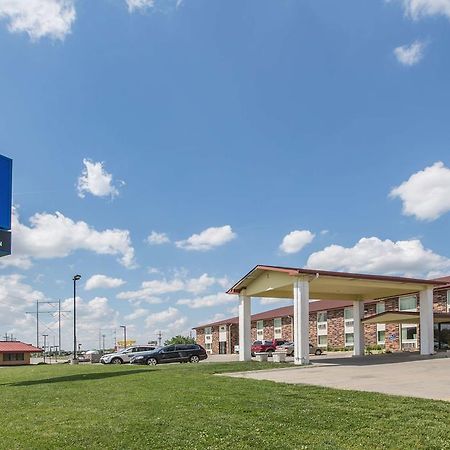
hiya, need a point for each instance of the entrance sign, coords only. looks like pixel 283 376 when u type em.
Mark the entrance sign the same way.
pixel 5 192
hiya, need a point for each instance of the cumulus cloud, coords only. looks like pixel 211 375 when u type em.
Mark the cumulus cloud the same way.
pixel 208 239
pixel 169 319
pixel 373 255
pixel 426 194
pixel 416 9
pixel 39 18
pixel 155 238
pixel 208 300
pixel 409 55
pixel 296 240
pixel 138 313
pixel 102 282
pixel 95 180
pixel 154 288
pixel 57 236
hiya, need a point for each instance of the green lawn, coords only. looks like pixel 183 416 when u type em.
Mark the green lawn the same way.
pixel 186 406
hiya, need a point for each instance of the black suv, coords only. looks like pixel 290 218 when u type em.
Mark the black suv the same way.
pixel 172 353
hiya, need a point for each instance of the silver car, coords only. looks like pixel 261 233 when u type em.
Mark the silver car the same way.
pixel 289 347
pixel 125 355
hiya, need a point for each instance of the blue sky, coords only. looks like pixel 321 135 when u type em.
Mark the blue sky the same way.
pixel 321 123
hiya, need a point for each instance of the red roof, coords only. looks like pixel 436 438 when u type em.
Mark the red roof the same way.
pixel 322 305
pixel 17 347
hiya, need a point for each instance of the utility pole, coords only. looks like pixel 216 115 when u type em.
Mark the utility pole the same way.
pixel 159 335
pixel 103 336
pixel 59 327
pixel 124 335
pixel 45 344
pixel 37 323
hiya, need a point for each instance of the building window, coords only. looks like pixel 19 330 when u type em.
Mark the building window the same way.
pixel 277 329
pixel 381 334
pixel 208 330
pixel 409 333
pixel 408 303
pixel 349 339
pixel 448 301
pixel 348 326
pixel 322 329
pixel 260 329
pixel 13 357
pixel 208 346
pixel 380 307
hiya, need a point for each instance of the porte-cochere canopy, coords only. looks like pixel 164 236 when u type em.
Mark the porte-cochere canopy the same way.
pixel 305 284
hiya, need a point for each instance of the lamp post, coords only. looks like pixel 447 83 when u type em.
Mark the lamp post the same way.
pixel 75 279
pixel 124 335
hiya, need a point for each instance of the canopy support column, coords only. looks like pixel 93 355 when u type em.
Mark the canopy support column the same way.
pixel 301 321
pixel 426 322
pixel 358 328
pixel 245 313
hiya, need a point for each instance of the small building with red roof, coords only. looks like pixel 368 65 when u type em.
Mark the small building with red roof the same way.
pixel 16 353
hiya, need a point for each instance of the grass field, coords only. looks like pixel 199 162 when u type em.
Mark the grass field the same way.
pixel 186 406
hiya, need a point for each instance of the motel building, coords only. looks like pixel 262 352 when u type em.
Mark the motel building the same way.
pixel 16 353
pixel 335 311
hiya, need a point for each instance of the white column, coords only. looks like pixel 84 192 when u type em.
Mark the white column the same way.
pixel 426 322
pixel 358 328
pixel 245 312
pixel 301 321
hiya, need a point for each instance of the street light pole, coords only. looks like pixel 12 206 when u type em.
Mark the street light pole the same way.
pixel 75 279
pixel 124 335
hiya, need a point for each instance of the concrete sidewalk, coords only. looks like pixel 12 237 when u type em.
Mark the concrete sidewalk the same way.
pixel 394 375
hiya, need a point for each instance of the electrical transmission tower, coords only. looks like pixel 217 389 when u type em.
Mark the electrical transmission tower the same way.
pixel 39 312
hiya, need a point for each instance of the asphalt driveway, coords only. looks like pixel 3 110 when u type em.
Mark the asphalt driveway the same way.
pixel 406 375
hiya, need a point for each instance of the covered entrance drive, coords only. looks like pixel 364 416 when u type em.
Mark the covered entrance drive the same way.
pixel 301 285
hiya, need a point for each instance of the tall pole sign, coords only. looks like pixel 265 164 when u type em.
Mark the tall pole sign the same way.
pixel 5 205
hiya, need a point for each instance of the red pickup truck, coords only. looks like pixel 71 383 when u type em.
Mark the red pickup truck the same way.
pixel 266 346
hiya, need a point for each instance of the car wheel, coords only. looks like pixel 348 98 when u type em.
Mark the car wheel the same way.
pixel 253 355
pixel 152 361
pixel 318 352
pixel 194 359
pixel 116 361
pixel 269 353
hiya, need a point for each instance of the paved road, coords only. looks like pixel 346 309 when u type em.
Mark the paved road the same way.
pixel 396 375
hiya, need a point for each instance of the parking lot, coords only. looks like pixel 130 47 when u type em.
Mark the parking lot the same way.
pixel 397 374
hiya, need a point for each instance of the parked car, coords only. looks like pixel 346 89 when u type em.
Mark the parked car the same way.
pixel 172 353
pixel 313 350
pixel 124 356
pixel 266 346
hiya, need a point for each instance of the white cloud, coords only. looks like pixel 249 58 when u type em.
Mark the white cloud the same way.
pixel 409 55
pixel 296 240
pixel 96 180
pixel 135 5
pixel 373 255
pixel 163 6
pixel 103 281
pixel 162 317
pixel 208 239
pixel 153 288
pixel 426 194
pixel 208 300
pixel 137 314
pixel 157 238
pixel 415 9
pixel 39 18
pixel 57 236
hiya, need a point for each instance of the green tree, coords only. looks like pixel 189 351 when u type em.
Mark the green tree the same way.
pixel 180 340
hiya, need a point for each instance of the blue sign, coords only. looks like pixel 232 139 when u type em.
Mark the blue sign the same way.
pixel 5 192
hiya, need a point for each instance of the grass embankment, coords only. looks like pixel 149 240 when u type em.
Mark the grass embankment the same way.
pixel 186 406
